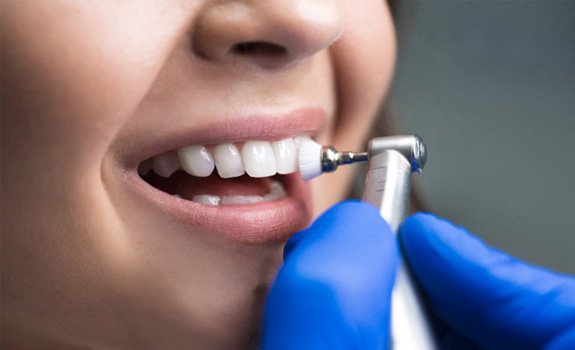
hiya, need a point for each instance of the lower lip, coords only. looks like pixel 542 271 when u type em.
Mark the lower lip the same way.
pixel 257 223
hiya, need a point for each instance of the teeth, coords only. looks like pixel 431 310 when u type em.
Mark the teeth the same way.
pixel 259 159
pixel 165 164
pixel 285 152
pixel 276 192
pixel 240 200
pixel 228 161
pixel 299 139
pixel 196 160
pixel 207 199
pixel 256 158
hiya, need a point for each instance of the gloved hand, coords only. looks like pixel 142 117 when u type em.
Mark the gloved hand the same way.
pixel 485 297
pixel 334 289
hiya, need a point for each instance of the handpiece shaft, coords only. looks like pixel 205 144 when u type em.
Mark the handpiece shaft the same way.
pixel 331 158
pixel 352 157
pixel 387 187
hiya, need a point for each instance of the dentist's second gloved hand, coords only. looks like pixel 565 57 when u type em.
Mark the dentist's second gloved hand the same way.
pixel 483 297
pixel 334 289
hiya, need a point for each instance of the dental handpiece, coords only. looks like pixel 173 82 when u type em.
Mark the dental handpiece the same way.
pixel 391 161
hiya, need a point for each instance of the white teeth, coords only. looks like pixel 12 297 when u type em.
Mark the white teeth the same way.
pixel 196 160
pixel 276 192
pixel 165 164
pixel 299 139
pixel 285 152
pixel 239 200
pixel 228 161
pixel 256 158
pixel 207 199
pixel 259 159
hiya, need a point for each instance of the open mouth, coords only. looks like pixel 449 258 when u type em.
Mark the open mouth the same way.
pixel 236 179
pixel 226 174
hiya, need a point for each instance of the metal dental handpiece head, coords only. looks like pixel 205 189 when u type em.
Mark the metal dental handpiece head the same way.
pixel 315 159
pixel 391 162
pixel 409 146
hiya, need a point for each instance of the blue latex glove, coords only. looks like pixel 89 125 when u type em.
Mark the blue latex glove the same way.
pixel 334 289
pixel 483 296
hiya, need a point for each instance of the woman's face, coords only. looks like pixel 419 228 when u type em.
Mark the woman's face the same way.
pixel 93 253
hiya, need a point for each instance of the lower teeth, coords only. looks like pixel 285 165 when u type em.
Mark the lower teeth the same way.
pixel 276 192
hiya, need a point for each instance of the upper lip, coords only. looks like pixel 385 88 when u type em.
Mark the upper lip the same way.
pixel 259 126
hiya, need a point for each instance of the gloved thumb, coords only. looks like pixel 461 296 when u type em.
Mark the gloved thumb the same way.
pixel 490 298
pixel 334 289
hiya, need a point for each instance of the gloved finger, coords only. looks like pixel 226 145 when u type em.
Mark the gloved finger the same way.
pixel 334 289
pixel 491 298
pixel 564 341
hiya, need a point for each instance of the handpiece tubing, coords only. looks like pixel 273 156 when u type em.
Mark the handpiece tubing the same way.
pixel 387 187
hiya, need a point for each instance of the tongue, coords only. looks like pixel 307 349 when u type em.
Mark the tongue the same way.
pixel 187 186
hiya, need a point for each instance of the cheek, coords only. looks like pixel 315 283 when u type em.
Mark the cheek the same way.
pixel 72 72
pixel 364 58
pixel 73 86
pixel 364 63
pixel 65 94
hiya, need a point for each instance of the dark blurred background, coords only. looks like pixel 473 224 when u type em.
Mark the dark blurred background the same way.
pixel 490 86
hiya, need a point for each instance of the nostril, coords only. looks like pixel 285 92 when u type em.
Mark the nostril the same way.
pixel 258 48
pixel 264 34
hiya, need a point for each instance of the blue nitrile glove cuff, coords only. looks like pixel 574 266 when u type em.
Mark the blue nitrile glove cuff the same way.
pixel 488 297
pixel 334 289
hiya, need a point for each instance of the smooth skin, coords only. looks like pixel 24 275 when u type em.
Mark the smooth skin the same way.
pixel 85 83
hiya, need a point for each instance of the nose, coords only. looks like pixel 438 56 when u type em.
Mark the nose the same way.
pixel 266 33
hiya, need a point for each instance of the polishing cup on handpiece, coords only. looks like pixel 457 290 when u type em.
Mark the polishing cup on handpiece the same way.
pixel 315 159
pixel 409 146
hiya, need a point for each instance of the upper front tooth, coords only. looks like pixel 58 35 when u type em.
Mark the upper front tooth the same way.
pixel 228 161
pixel 259 159
pixel 285 154
pixel 196 160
